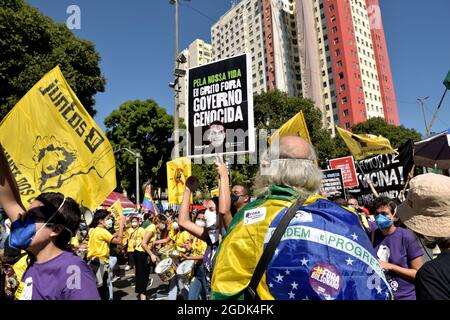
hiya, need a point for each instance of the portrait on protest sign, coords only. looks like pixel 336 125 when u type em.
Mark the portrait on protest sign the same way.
pixel 220 108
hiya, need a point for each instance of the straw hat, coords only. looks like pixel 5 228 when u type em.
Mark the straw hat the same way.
pixel 426 209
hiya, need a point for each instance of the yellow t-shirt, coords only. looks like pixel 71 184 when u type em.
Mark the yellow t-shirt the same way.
pixel 133 238
pixel 151 228
pixel 137 243
pixel 198 247
pixel 99 241
pixel 181 239
pixel 74 241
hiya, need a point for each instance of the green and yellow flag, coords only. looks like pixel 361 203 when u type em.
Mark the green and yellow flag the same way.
pixel 117 211
pixel 362 146
pixel 53 145
pixel 296 126
pixel 447 81
pixel 178 171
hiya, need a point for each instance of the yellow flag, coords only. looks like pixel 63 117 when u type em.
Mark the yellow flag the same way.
pixel 178 171
pixel 53 145
pixel 362 146
pixel 117 211
pixel 296 126
pixel 215 192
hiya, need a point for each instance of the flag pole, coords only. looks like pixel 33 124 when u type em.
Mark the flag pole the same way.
pixel 369 182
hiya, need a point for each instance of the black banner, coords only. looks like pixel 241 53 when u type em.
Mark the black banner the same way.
pixel 388 173
pixel 220 111
pixel 333 183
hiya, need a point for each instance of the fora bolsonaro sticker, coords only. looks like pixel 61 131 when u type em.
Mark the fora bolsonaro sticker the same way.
pixel 326 280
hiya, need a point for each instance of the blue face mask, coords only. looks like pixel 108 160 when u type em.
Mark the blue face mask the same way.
pixel 383 222
pixel 22 233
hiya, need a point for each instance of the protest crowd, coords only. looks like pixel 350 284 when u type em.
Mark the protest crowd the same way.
pixel 296 233
pixel 193 249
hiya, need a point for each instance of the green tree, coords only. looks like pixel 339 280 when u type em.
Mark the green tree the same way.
pixel 32 44
pixel 144 127
pixel 397 135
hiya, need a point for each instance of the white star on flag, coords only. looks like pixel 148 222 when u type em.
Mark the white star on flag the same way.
pixel 288 272
pixel 276 251
pixel 378 290
pixel 271 285
pixel 387 294
pixel 354 236
pixel 291 295
pixel 349 261
pixel 279 278
pixel 304 261
pixel 294 285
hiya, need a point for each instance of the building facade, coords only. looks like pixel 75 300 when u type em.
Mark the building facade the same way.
pixel 198 53
pixel 331 51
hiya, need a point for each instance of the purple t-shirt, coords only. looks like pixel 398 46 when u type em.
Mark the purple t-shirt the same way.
pixel 65 277
pixel 400 248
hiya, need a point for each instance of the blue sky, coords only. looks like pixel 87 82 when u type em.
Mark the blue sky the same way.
pixel 135 39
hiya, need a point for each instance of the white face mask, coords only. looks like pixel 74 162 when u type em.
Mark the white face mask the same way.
pixel 175 226
pixel 108 223
pixel 211 218
pixel 200 223
pixel 161 226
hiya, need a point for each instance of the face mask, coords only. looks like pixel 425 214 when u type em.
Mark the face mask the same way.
pixel 23 232
pixel 108 223
pixel 211 219
pixel 134 224
pixel 200 223
pixel 175 226
pixel 383 222
pixel 234 199
pixel 161 226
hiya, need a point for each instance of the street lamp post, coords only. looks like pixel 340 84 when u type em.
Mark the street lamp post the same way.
pixel 422 102
pixel 137 155
pixel 176 96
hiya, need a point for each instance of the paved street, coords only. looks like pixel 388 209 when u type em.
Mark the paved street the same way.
pixel 124 288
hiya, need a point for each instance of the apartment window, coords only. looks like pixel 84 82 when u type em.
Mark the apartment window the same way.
pixel 336 40
pixel 339 63
pixel 325 84
pixel 334 29
pixel 338 52
pixel 346 113
pixel 341 75
pixel 344 100
pixel 333 18
pixel 331 8
pixel 342 88
pixel 347 125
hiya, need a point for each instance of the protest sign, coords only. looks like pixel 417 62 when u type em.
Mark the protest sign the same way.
pixel 332 183
pixel 347 165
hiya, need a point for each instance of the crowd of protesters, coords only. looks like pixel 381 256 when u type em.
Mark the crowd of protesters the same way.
pixel 48 252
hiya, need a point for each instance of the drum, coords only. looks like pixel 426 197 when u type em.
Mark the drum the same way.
pixel 165 251
pixel 165 269
pixel 185 270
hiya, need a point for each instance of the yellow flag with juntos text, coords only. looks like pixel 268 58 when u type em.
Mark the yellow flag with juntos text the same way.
pixel 362 146
pixel 296 126
pixel 178 171
pixel 53 145
pixel 117 211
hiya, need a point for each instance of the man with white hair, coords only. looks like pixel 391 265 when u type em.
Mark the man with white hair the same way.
pixel 321 251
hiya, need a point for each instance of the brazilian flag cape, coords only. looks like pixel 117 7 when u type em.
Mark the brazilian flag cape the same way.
pixel 324 254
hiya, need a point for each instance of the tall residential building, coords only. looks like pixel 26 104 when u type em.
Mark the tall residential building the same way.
pixel 198 53
pixel 267 30
pixel 331 51
pixel 356 78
